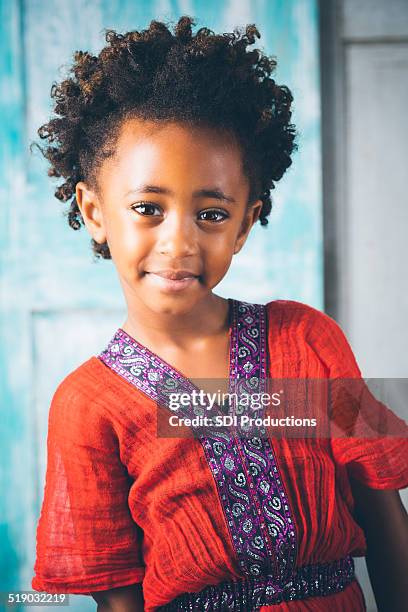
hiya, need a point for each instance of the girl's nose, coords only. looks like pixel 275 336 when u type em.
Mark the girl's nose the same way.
pixel 178 236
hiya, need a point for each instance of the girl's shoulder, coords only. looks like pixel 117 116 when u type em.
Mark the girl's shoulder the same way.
pixel 290 307
pixel 305 327
pixel 88 400
pixel 84 383
pixel 93 401
pixel 300 317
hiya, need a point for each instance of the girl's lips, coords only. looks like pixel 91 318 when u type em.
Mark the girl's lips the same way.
pixel 171 285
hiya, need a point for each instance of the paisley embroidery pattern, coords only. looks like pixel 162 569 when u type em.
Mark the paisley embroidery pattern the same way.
pixel 248 372
pixel 244 467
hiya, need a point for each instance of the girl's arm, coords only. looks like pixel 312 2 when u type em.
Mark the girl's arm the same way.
pixel 384 520
pixel 121 599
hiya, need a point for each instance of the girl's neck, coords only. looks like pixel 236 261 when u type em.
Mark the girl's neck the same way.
pixel 209 318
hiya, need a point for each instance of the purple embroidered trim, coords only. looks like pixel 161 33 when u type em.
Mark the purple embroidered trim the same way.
pixel 275 525
pixel 249 594
pixel 244 468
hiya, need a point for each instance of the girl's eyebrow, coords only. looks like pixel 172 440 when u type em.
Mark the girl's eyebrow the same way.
pixel 200 193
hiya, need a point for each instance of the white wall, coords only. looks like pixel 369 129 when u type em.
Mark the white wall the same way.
pixel 364 50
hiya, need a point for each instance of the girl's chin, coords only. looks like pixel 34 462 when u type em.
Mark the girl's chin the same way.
pixel 171 306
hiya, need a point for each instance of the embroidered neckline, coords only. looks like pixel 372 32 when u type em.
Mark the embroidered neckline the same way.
pixel 244 468
pixel 232 316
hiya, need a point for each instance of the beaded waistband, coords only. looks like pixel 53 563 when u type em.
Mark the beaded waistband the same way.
pixel 249 594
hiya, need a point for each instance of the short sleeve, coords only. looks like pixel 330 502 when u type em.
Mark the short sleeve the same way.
pixel 86 538
pixel 378 461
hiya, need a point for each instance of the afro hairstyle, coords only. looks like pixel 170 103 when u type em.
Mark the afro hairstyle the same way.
pixel 207 79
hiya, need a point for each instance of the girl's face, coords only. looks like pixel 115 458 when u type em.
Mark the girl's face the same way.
pixel 171 202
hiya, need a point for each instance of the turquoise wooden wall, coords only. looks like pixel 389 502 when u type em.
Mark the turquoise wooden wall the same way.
pixel 57 306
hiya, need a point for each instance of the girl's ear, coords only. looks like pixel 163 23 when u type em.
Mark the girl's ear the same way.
pixel 251 217
pixel 91 211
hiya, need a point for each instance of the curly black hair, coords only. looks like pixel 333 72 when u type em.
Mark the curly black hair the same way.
pixel 201 79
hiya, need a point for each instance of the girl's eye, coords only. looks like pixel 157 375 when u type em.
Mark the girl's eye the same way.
pixel 146 209
pixel 213 215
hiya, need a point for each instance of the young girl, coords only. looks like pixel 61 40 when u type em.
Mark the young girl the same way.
pixel 169 144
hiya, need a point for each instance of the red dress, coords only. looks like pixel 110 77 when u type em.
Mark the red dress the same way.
pixel 123 505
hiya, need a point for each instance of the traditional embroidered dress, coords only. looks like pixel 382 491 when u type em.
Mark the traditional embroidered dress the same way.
pixel 213 522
